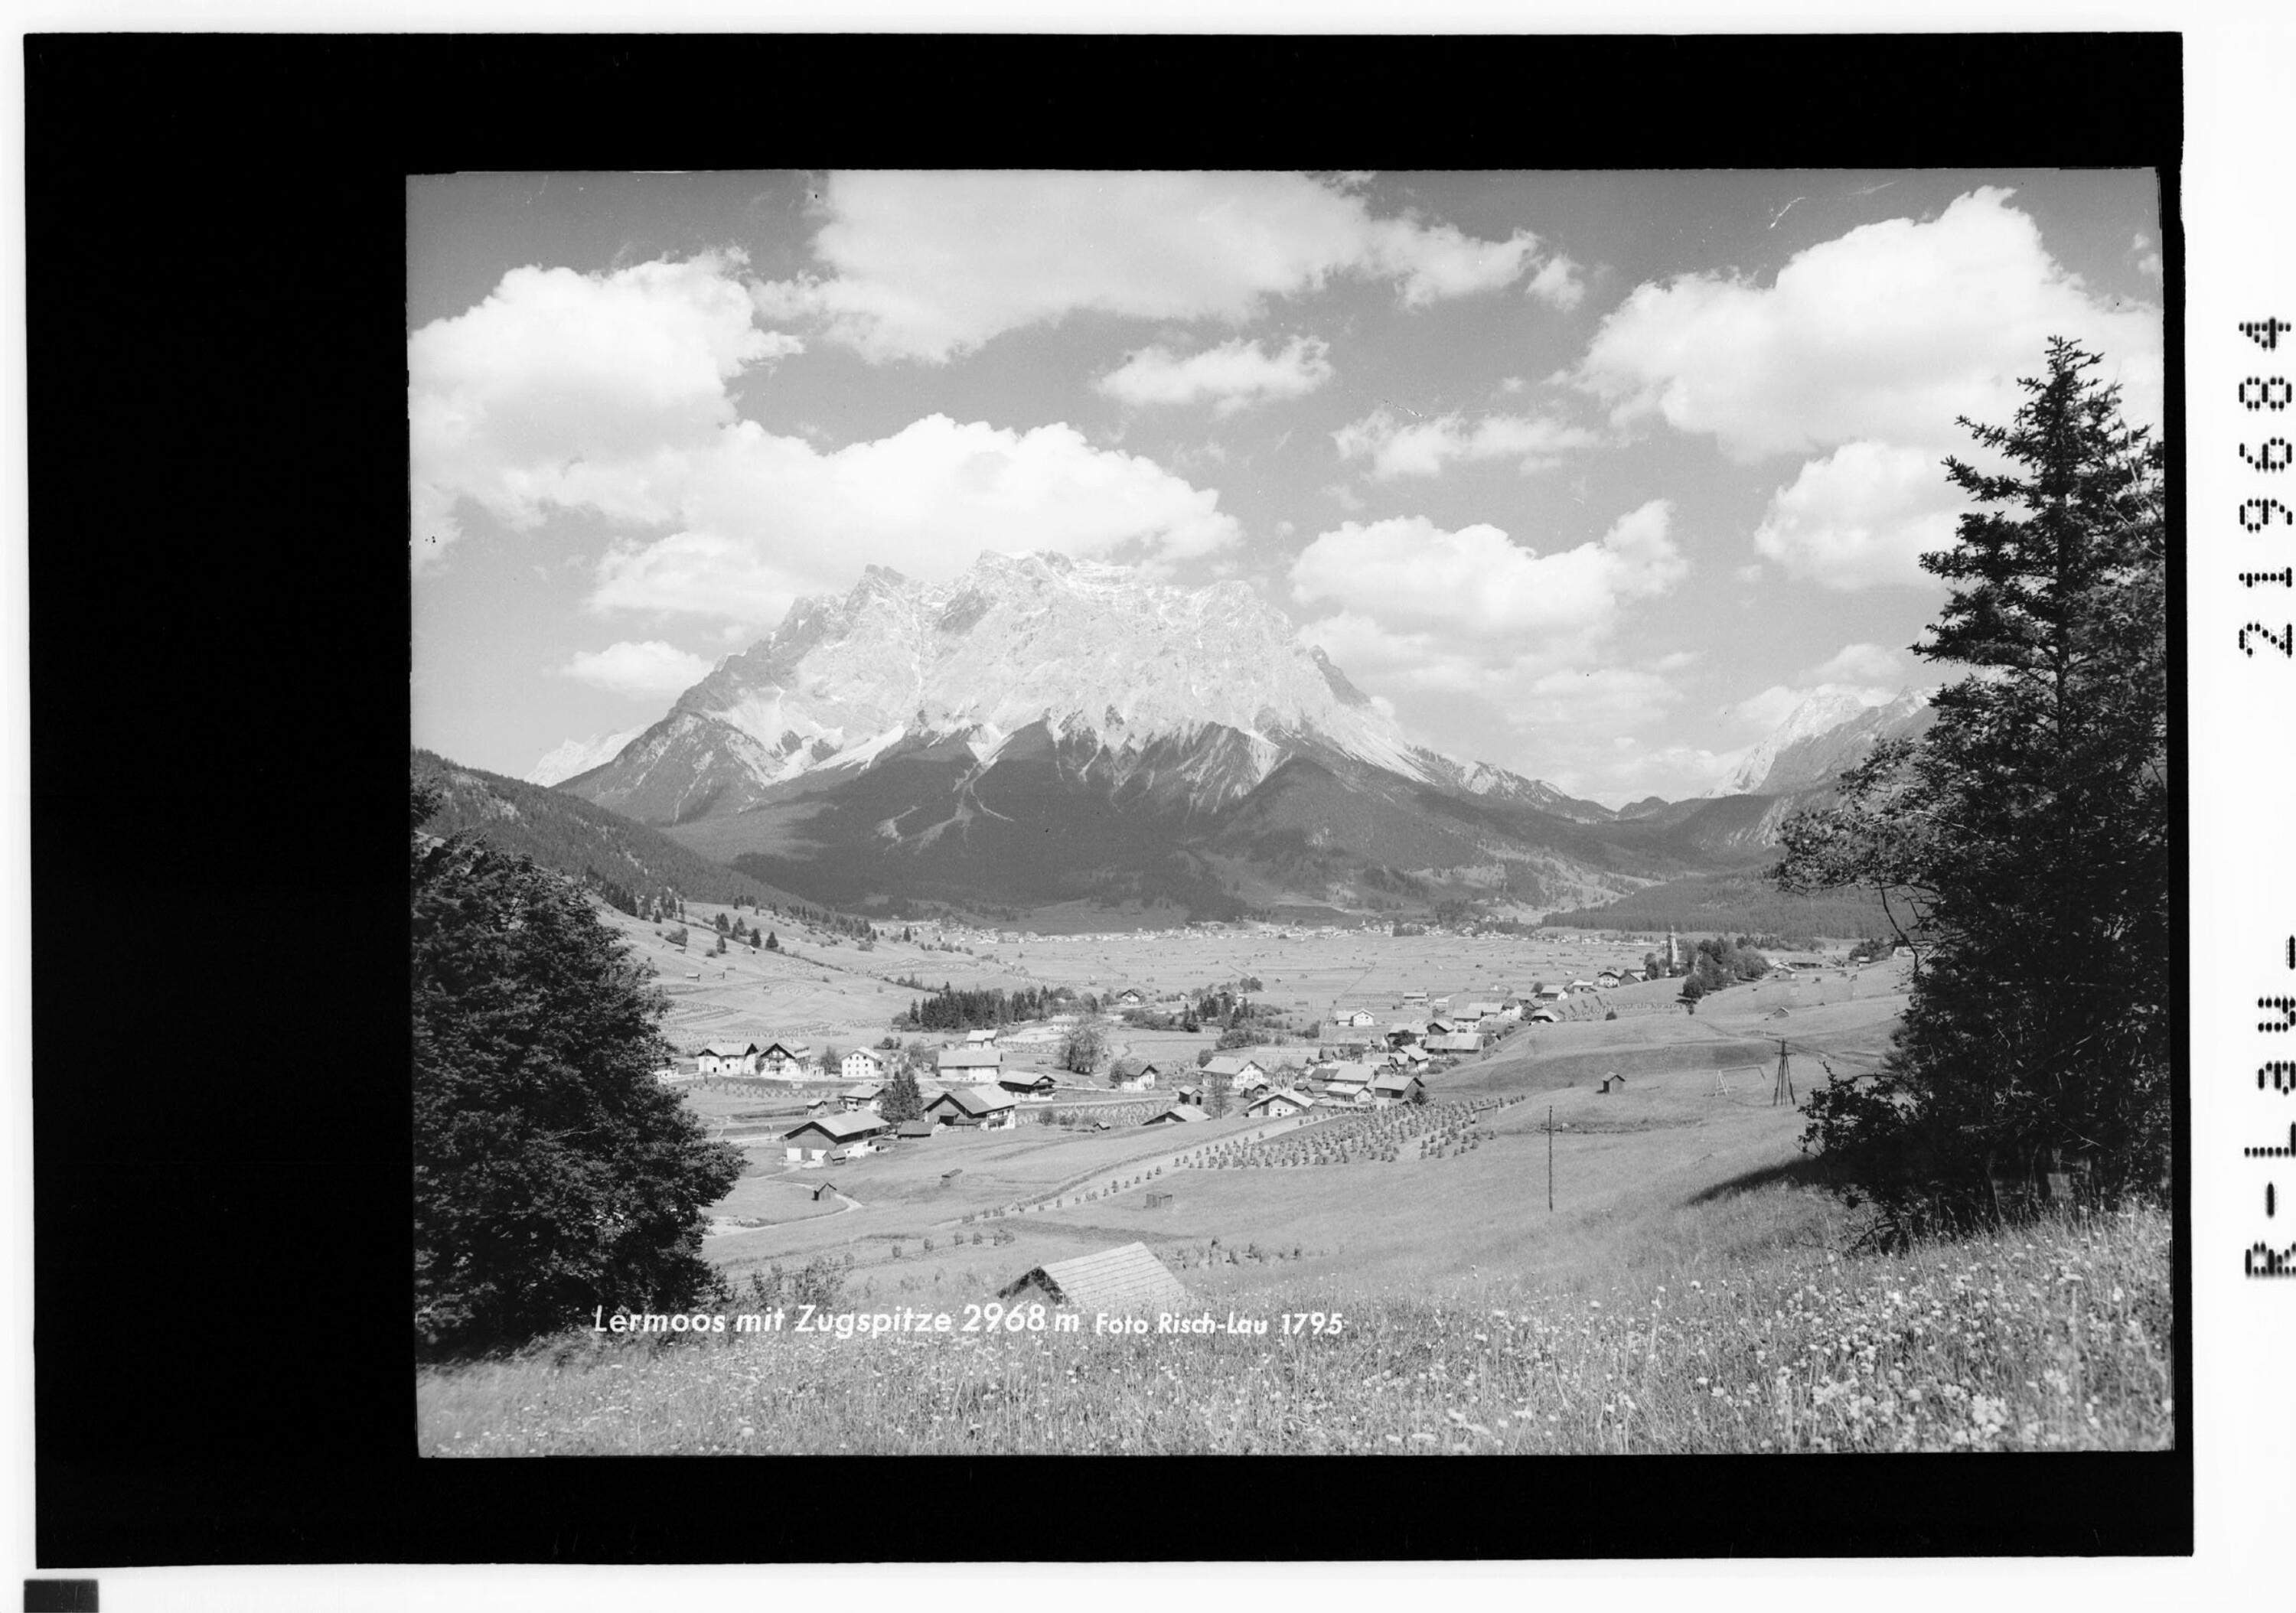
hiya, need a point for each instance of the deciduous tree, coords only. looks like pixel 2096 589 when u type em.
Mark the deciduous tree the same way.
pixel 553 1172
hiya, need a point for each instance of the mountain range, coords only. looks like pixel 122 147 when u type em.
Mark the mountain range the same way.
pixel 1042 730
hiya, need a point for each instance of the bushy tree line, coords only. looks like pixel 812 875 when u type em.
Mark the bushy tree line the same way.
pixel 2024 843
pixel 950 1008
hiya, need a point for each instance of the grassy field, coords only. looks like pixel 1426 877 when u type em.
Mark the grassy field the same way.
pixel 1687 1290
pixel 1723 1326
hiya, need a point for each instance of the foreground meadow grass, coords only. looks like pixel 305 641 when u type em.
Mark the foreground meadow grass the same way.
pixel 2052 1337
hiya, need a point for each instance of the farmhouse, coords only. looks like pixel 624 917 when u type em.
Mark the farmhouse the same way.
pixel 1481 1010
pixel 1027 1083
pixel 971 1106
pixel 1250 1081
pixel 816 1136
pixel 784 1059
pixel 1132 1074
pixel 1456 1043
pixel 1607 978
pixel 1361 1019
pixel 1276 1105
pixel 1412 1056
pixel 1129 997
pixel 1126 1280
pixel 727 1059
pixel 980 1038
pixel 870 1098
pixel 977 1064
pixel 1235 1068
pixel 1543 1016
pixel 1181 1113
pixel 863 1064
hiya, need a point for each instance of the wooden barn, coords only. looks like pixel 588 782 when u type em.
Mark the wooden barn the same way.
pixel 1276 1105
pixel 1179 1113
pixel 971 1106
pixel 969 1063
pixel 1126 1281
pixel 1395 1087
pixel 816 1136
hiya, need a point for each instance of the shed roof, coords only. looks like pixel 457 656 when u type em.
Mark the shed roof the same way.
pixel 973 1100
pixel 730 1050
pixel 1285 1094
pixel 915 1128
pixel 1127 1279
pixel 1131 1065
pixel 1178 1112
pixel 969 1058
pixel 1394 1081
pixel 1228 1064
pixel 841 1127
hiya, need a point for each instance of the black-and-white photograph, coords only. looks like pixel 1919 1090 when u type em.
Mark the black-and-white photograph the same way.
pixel 1253 812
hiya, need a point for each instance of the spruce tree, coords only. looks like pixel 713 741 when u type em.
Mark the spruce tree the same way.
pixel 2023 843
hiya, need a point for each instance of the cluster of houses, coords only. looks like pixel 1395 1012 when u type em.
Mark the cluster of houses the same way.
pixel 853 1123
pixel 1329 1084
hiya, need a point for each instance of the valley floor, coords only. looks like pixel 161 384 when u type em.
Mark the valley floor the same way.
pixel 1686 1293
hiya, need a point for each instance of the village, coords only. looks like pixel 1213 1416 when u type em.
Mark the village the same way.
pixel 1183 1128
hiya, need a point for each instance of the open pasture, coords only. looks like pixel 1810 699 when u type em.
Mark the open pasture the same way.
pixel 1692 1118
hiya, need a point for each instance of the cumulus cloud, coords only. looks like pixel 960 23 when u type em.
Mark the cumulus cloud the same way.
pixel 1234 374
pixel 637 670
pixel 768 517
pixel 608 394
pixel 1858 663
pixel 1886 334
pixel 1431 609
pixel 571 388
pixel 1862 516
pixel 928 266
pixel 1421 447
pixel 1557 284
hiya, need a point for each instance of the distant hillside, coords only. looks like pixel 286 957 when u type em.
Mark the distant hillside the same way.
pixel 1744 904
pixel 580 840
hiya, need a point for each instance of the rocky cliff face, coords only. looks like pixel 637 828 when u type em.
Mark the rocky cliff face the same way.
pixel 1830 731
pixel 1199 694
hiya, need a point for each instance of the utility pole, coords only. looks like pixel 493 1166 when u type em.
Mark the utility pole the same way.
pixel 1784 1092
pixel 1550 1159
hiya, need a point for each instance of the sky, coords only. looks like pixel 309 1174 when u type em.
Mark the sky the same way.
pixel 1593 476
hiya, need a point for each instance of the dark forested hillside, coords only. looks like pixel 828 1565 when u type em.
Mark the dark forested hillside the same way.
pixel 1740 905
pixel 620 860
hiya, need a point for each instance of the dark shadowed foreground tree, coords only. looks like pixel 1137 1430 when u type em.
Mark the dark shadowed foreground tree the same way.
pixel 2022 844
pixel 553 1172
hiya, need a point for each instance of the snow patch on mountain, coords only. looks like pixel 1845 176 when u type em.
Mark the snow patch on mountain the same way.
pixel 1832 729
pixel 580 755
pixel 1200 691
